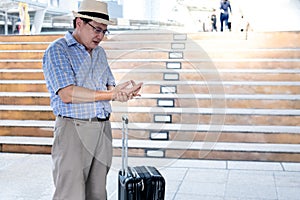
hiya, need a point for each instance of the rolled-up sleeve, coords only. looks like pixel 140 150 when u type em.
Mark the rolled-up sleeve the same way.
pixel 111 80
pixel 57 68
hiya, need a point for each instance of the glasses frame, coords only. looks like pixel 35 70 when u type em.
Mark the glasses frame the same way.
pixel 98 30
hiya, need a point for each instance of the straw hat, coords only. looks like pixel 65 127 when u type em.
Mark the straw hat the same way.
pixel 94 10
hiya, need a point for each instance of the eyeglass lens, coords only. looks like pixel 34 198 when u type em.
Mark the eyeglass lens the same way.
pixel 98 30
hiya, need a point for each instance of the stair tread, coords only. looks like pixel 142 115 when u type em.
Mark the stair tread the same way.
pixel 179 60
pixel 234 83
pixel 136 109
pixel 219 146
pixel 24 94
pixel 26 140
pixel 181 145
pixel 147 70
pixel 171 127
pixel 153 49
pixel 178 96
pixel 223 96
pixel 25 42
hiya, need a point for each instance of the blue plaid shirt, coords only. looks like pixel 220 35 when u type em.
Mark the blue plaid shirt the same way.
pixel 66 62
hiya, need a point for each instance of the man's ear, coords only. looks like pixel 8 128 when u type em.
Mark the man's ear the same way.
pixel 78 22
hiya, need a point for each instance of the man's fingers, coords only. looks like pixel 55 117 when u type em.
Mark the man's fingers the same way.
pixel 132 82
pixel 124 85
pixel 122 97
pixel 126 93
pixel 137 87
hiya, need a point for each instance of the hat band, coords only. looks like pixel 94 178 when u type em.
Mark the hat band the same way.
pixel 94 14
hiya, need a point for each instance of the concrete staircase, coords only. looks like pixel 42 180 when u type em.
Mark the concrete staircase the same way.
pixel 227 96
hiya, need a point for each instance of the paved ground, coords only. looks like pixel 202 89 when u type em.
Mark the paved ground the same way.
pixel 28 177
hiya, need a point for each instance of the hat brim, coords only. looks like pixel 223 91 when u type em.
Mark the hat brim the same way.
pixel 96 19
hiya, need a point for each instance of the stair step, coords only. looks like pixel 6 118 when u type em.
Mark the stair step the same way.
pixel 172 149
pixel 224 136
pixel 179 115
pixel 179 83
pixel 159 54
pixel 229 87
pixel 21 54
pixel 169 127
pixel 221 96
pixel 29 38
pixel 177 110
pixel 232 101
pixel 20 64
pixel 28 131
pixel 24 45
pixel 177 96
pixel 157 63
pixel 163 70
pixel 241 137
pixel 200 45
pixel 183 74
pixel 144 144
pixel 262 39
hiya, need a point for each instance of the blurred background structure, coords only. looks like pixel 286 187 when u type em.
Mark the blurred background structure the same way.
pixel 186 15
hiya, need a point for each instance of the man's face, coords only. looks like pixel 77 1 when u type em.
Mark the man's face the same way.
pixel 91 33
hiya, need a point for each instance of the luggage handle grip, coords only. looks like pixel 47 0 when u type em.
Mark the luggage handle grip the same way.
pixel 124 145
pixel 125 119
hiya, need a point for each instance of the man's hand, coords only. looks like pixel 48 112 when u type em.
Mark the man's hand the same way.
pixel 126 91
pixel 138 88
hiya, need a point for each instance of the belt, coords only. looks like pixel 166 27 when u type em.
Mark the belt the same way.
pixel 94 119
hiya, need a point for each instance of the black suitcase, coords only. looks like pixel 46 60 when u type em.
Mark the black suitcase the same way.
pixel 140 182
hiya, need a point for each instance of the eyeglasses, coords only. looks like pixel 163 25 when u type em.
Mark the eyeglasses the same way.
pixel 99 30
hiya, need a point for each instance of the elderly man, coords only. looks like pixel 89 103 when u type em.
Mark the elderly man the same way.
pixel 81 86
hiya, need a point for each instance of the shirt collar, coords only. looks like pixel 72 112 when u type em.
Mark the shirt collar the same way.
pixel 70 39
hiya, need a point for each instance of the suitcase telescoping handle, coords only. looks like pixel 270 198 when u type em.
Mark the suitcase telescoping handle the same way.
pixel 124 145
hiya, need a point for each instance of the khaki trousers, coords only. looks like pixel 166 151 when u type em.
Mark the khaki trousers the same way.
pixel 81 155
